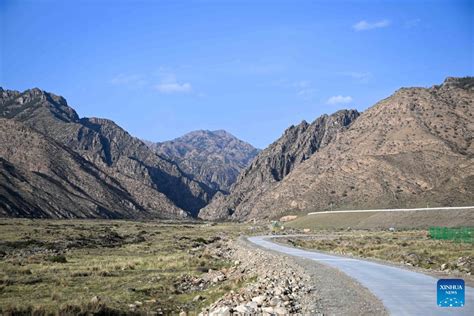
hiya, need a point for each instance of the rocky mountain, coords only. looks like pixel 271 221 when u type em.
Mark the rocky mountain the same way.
pixel 40 177
pixel 411 149
pixel 153 185
pixel 215 158
pixel 297 144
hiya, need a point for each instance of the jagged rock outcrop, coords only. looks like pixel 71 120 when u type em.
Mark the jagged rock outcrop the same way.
pixel 154 183
pixel 215 158
pixel 273 164
pixel 409 150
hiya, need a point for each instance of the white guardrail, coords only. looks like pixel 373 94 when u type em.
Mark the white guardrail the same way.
pixel 451 208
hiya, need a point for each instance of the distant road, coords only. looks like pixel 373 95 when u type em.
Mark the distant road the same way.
pixel 403 292
pixel 398 210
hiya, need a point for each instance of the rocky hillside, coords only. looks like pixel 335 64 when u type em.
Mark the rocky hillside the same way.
pixel 215 158
pixel 273 164
pixel 155 186
pixel 411 149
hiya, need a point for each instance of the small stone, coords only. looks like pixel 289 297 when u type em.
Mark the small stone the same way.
pixel 274 301
pixel 242 309
pixel 280 311
pixel 152 301
pixel 96 299
pixel 278 291
pixel 259 299
pixel 223 311
pixel 183 313
pixel 268 310
pixel 252 306
pixel 197 298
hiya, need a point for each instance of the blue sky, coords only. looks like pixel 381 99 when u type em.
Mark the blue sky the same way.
pixel 164 68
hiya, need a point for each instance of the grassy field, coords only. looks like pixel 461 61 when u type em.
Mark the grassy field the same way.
pixel 114 266
pixel 412 247
pixel 384 220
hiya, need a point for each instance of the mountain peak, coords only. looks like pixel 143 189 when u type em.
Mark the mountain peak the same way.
pixel 273 164
pixel 135 182
pixel 411 148
pixel 212 157
pixel 459 82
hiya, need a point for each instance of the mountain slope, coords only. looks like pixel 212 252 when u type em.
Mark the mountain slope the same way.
pixel 213 157
pixel 39 177
pixel 411 149
pixel 273 164
pixel 151 180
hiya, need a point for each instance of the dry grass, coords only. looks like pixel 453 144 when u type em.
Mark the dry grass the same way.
pixel 413 247
pixel 50 266
pixel 384 220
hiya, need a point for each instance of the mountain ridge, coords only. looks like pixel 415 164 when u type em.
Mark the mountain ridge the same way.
pixel 275 162
pixel 412 148
pixel 211 157
pixel 149 178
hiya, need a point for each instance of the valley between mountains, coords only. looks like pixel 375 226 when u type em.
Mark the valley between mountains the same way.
pixel 411 149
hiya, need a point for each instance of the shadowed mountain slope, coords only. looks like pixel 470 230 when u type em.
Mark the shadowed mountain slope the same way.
pixel 156 184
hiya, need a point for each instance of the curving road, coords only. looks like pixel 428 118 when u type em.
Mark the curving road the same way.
pixel 403 292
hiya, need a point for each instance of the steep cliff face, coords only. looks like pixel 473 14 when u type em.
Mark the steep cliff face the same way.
pixel 411 149
pixel 273 164
pixel 212 157
pixel 151 180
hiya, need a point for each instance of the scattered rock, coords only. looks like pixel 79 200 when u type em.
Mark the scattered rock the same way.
pixel 280 311
pixel 222 311
pixel 413 259
pixel 95 300
pixel 280 287
pixel 197 298
pixel 259 299
pixel 242 309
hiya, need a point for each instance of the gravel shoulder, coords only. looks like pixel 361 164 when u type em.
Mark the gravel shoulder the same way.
pixel 333 292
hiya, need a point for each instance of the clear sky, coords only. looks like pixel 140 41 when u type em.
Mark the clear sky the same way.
pixel 163 68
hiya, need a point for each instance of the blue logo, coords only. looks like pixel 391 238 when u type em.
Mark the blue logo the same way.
pixel 451 293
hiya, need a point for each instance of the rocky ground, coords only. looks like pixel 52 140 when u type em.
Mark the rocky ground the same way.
pixel 281 287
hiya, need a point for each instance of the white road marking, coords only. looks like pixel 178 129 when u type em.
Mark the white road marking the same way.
pixel 397 210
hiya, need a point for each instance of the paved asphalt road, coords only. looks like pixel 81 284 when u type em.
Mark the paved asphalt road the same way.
pixel 403 292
